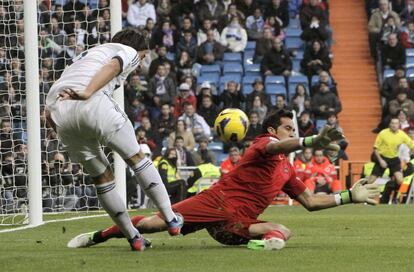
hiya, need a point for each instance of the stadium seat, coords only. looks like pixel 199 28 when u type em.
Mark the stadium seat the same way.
pixel 409 52
pixel 409 73
pixel 232 68
pixel 299 54
pixel 409 61
pixel 212 79
pixel 252 70
pixel 232 57
pixel 315 80
pixel 221 157
pixel 294 23
pixel 293 32
pixel 278 80
pixel 294 43
pixel 215 146
pixel 251 46
pixel 390 73
pixel 226 78
pixel 248 57
pixel 296 65
pixel 320 123
pixel 247 83
pixel 210 69
pixel 171 56
pixel 299 79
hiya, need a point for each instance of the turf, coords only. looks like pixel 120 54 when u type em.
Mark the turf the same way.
pixel 349 238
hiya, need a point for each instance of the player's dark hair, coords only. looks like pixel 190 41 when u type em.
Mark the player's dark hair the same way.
pixel 131 37
pixel 273 119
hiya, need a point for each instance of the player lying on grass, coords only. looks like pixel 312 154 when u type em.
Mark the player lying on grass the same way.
pixel 80 108
pixel 230 208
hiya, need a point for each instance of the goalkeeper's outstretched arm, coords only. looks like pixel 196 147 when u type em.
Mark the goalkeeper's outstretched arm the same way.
pixel 359 193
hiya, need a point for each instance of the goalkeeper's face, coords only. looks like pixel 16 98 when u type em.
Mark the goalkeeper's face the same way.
pixel 286 129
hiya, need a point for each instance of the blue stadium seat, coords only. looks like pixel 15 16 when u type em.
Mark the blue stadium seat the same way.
pixel 212 79
pixel 299 54
pixel 299 79
pixel 248 57
pixel 294 43
pixel 252 70
pixel 409 52
pixel 232 68
pixel 226 78
pixel 247 82
pixel 320 123
pixel 247 89
pixel 294 23
pixel 210 69
pixel 315 80
pixel 409 73
pixel 215 146
pixel 251 46
pixel 171 56
pixel 221 157
pixel 390 73
pixel 278 80
pixel 293 32
pixel 232 57
pixel 296 65
pixel 409 61
pixel 275 90
pixel 292 90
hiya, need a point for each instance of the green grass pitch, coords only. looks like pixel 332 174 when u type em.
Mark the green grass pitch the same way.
pixel 349 238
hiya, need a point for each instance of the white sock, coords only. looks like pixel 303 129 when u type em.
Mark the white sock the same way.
pixel 150 181
pixel 114 206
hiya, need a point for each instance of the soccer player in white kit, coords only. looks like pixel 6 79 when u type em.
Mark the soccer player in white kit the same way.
pixel 82 111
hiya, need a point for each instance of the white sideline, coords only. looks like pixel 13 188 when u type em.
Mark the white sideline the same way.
pixel 53 221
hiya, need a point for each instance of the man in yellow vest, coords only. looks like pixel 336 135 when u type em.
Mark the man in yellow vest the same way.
pixel 167 167
pixel 207 170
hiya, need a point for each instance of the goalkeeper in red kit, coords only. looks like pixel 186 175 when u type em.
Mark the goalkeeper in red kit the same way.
pixel 229 209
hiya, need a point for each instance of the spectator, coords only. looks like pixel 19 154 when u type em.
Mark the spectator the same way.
pixel 167 167
pixel 280 103
pixel 163 10
pixel 306 126
pixel 135 111
pixel 402 102
pixel 181 130
pixel 203 32
pixel 393 54
pixel 184 65
pixel 149 28
pixel 165 122
pixel 142 138
pixel 335 157
pixel 232 96
pixel 312 10
pixel 407 36
pixel 210 9
pixel 188 43
pixel 259 107
pixel 324 78
pixel 187 26
pixel 300 100
pixel 406 123
pixel 230 163
pixel 324 102
pixel 225 19
pixel 276 61
pixel 210 51
pixel 8 139
pixel 206 89
pixel 255 25
pixel 376 22
pixel 165 36
pixel 208 110
pixel 234 36
pixel 390 84
pixel 403 85
pixel 303 163
pixel 323 177
pixel 203 154
pixel 139 12
pixel 162 58
pixel 258 90
pixel 100 32
pixel 407 14
pixel 333 122
pixel 161 86
pixel 388 28
pixel 279 9
pixel 255 127
pixel 247 7
pixel 314 31
pixel 263 45
pixel 275 27
pixel 184 157
pixel 316 59
pixel 185 95
pixel 195 123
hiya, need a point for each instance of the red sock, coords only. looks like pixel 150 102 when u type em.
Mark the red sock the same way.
pixel 115 232
pixel 274 234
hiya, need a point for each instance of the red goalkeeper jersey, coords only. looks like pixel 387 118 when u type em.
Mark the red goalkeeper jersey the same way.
pixel 253 184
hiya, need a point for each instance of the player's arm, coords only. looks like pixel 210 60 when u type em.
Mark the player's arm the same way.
pixel 359 193
pixel 323 140
pixel 108 72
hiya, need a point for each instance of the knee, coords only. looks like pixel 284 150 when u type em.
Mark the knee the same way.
pixel 106 177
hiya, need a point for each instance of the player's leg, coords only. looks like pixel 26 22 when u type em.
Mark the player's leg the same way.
pixel 273 236
pixel 124 142
pixel 377 171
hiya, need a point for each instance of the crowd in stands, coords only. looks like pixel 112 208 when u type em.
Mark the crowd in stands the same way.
pixel 204 56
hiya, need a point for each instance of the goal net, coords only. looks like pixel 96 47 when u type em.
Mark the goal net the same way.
pixel 66 28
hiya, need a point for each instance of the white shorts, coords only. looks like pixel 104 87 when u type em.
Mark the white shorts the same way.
pixel 83 126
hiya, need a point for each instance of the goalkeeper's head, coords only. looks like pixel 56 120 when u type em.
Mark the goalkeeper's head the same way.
pixel 131 37
pixel 280 124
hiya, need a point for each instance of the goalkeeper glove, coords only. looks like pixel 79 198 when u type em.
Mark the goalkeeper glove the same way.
pixel 324 139
pixel 361 193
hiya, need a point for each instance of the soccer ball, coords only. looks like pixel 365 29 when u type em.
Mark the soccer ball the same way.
pixel 231 125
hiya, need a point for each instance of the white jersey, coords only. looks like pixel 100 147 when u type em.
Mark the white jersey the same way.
pixel 78 75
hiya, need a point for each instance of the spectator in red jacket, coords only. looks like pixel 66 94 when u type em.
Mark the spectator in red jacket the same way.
pixel 323 177
pixel 184 95
pixel 302 164
pixel 407 36
pixel 228 164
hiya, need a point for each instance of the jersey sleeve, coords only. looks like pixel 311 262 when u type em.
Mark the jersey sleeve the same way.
pixel 408 141
pixel 294 187
pixel 378 141
pixel 128 59
pixel 261 145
